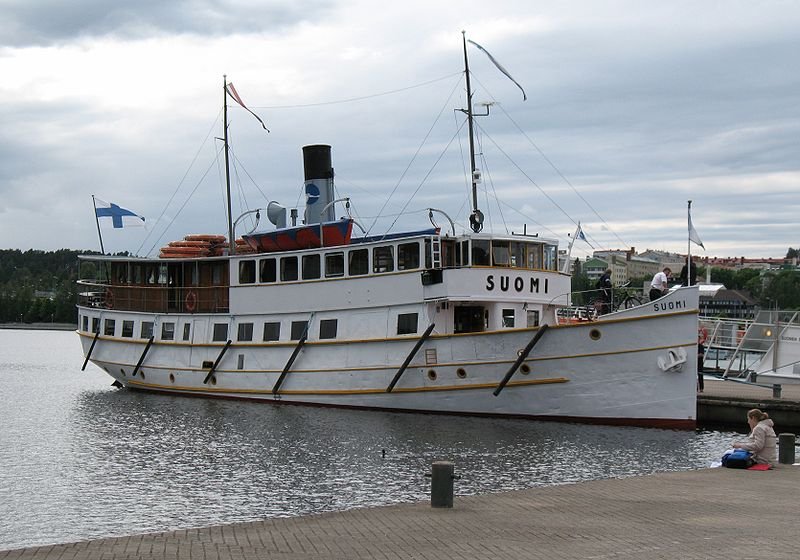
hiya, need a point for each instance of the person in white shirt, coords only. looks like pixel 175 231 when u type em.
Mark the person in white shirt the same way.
pixel 658 287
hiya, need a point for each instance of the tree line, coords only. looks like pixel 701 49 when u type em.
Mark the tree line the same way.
pixel 38 286
pixel 770 288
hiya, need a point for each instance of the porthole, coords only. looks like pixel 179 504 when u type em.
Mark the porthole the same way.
pixel 461 373
pixel 172 378
pixel 594 334
pixel 525 368
pixel 213 379
pixel 432 374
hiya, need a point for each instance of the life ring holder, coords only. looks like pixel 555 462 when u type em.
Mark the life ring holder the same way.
pixel 702 335
pixel 109 299
pixel 190 303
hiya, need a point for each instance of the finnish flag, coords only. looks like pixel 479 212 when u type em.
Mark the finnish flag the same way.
pixel 120 217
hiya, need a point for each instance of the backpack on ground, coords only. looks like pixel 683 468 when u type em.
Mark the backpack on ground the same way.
pixel 738 459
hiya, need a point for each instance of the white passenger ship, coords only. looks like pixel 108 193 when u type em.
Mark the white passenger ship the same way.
pixel 424 321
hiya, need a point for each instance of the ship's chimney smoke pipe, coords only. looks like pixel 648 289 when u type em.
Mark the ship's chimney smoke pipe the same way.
pixel 318 173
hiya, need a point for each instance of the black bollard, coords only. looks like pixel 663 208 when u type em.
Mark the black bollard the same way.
pixel 442 484
pixel 786 449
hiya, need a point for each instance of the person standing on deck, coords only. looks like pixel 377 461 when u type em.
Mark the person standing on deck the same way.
pixel 658 287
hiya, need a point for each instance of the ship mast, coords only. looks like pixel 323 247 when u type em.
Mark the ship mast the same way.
pixel 231 240
pixel 476 218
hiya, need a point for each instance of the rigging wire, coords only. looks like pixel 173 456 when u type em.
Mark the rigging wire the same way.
pixel 567 181
pixel 361 98
pixel 414 157
pixel 175 192
pixel 425 178
pixel 188 198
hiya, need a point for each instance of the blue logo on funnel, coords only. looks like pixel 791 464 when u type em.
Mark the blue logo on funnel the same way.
pixel 312 193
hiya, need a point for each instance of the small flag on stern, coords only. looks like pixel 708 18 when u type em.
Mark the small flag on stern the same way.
pixel 235 95
pixel 120 217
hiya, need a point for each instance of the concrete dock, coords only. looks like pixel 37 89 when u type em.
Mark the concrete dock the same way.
pixel 709 514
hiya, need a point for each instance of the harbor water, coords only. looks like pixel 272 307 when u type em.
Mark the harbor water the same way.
pixel 80 459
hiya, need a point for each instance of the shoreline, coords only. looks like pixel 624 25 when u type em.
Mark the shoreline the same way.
pixel 39 326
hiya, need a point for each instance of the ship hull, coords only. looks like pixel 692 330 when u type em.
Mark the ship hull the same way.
pixel 636 367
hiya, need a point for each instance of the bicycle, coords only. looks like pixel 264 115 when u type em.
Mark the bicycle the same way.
pixel 622 297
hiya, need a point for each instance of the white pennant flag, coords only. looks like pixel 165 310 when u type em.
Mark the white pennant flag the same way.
pixel 693 237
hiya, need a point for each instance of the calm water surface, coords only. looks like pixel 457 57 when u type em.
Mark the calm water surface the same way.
pixel 80 459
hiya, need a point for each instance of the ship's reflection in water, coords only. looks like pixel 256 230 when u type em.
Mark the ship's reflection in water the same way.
pixel 81 460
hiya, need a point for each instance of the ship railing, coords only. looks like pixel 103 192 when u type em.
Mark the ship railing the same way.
pixel 154 299
pixel 588 305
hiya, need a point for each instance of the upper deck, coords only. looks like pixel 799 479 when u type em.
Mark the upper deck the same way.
pixel 395 269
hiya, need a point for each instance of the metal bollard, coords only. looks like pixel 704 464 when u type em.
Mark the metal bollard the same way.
pixel 442 484
pixel 786 449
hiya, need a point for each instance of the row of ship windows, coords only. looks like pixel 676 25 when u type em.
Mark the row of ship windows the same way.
pixel 383 260
pixel 328 329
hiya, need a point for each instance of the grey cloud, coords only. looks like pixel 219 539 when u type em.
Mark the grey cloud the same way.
pixel 45 22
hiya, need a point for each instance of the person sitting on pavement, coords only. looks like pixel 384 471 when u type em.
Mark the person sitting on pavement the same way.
pixel 762 441
pixel 658 287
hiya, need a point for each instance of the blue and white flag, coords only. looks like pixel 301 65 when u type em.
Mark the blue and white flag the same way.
pixel 120 217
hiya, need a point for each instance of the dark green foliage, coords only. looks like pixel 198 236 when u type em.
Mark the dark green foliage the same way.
pixel 51 273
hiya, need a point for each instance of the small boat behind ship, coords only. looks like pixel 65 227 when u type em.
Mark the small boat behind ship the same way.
pixel 416 321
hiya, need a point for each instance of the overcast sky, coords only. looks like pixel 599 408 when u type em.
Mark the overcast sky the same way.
pixel 634 108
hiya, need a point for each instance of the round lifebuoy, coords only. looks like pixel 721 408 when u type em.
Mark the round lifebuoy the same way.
pixel 191 301
pixel 702 335
pixel 109 299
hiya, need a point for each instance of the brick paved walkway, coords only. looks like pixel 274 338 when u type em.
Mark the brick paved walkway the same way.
pixel 705 514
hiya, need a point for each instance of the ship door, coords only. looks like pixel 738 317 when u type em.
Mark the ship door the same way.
pixel 470 318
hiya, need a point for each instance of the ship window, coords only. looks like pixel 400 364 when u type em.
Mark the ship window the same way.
pixel 109 327
pixel 408 256
pixel 462 257
pixel 550 260
pixel 147 329
pixel 518 254
pixel 467 318
pixel 245 332
pixel 247 272
pixel 480 252
pixel 95 325
pixel 137 274
pixel 187 329
pixel 298 329
pixel 448 253
pixel 327 328
pixel 127 329
pixel 508 318
pixel 533 318
pixel 272 331
pixel 220 332
pixel 167 331
pixel 162 274
pixel 267 270
pixel 358 263
pixel 407 323
pixel 334 265
pixel 193 274
pixel 501 255
pixel 85 320
pixel 535 255
pixel 217 274
pixel 383 259
pixel 311 267
pixel 288 269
